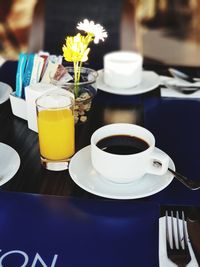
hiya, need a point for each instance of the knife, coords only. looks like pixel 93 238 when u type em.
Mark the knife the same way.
pixel 193 227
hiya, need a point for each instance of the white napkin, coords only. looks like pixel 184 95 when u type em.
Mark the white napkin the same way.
pixel 163 259
pixel 2 61
pixel 166 92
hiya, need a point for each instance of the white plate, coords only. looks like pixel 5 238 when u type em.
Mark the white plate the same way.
pixel 9 163
pixel 163 259
pixel 86 177
pixel 5 91
pixel 150 80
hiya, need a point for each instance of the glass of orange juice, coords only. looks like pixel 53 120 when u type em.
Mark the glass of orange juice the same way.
pixel 55 118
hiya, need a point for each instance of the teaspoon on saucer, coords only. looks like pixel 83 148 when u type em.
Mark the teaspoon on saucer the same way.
pixel 184 180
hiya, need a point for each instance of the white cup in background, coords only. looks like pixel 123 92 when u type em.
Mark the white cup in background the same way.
pixel 122 69
pixel 128 167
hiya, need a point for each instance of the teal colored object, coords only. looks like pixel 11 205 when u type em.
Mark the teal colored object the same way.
pixel 28 71
pixel 20 73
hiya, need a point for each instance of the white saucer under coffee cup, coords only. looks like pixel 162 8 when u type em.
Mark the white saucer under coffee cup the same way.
pixel 127 167
pixel 122 69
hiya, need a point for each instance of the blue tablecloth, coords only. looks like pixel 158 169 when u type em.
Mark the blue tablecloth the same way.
pixel 174 122
pixel 77 232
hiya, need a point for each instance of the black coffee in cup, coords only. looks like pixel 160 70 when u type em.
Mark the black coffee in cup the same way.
pixel 122 144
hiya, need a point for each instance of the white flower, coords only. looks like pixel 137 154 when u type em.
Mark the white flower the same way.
pixel 96 29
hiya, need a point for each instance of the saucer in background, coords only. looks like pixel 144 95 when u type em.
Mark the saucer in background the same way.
pixel 150 80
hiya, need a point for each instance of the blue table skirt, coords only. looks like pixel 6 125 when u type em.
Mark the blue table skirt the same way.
pixel 77 232
pixel 175 125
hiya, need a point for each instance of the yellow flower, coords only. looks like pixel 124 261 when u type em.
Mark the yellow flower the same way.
pixel 76 49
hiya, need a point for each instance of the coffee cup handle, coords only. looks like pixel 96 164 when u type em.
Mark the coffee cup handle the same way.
pixel 162 158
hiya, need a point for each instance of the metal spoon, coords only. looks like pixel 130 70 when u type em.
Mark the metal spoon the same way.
pixel 183 76
pixel 184 180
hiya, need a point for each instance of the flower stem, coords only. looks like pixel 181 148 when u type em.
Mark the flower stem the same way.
pixel 76 78
pixel 79 71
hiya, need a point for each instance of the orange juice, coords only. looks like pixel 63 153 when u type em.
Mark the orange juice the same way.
pixel 56 133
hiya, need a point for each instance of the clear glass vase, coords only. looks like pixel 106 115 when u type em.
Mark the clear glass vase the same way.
pixel 84 91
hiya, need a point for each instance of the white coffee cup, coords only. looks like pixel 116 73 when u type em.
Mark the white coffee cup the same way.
pixel 129 167
pixel 123 69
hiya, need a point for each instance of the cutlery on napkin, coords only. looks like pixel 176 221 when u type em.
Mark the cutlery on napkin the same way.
pixel 182 75
pixel 163 259
pixel 168 85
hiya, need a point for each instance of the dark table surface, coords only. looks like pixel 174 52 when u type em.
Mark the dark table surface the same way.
pixel 174 122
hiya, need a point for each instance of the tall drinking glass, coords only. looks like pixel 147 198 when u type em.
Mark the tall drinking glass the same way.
pixel 55 117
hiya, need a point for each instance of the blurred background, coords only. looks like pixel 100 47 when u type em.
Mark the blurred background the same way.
pixel 164 31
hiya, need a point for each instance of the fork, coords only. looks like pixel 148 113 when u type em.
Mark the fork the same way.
pixel 176 239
